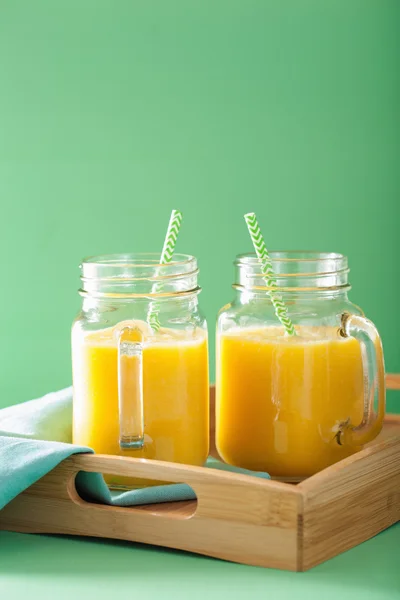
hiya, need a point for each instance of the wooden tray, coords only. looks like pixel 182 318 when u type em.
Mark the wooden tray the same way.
pixel 236 517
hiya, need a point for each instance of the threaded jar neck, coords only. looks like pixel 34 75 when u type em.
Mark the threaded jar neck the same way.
pixel 294 272
pixel 138 275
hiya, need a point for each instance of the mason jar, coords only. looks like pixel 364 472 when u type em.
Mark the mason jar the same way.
pixel 293 405
pixel 140 360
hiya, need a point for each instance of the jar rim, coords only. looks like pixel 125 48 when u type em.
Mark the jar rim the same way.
pixel 291 256
pixel 136 260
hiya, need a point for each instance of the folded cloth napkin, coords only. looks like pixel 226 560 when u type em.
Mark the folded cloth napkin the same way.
pixel 35 437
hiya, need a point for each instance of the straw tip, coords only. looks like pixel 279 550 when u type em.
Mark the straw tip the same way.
pixel 250 214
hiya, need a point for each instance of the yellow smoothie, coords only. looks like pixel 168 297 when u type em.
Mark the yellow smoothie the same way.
pixel 175 391
pixel 280 399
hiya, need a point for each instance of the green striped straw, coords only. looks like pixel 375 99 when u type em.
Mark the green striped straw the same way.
pixel 268 272
pixel 166 257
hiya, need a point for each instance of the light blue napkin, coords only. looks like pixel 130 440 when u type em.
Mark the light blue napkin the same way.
pixel 36 436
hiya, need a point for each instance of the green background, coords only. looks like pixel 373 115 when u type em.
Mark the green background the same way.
pixel 80 569
pixel 113 112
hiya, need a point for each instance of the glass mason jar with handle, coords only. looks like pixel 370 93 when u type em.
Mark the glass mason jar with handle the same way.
pixel 141 390
pixel 292 405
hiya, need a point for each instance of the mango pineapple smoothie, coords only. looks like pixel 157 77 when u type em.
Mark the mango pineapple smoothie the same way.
pixel 175 392
pixel 280 399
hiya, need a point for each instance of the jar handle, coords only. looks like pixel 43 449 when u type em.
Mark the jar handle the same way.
pixel 366 333
pixel 130 389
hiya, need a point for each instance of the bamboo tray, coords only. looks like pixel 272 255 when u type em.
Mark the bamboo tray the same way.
pixel 235 517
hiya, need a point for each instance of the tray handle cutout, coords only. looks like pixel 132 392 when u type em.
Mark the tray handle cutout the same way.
pixel 209 485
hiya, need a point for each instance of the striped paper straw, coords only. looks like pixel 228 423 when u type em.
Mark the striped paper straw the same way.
pixel 268 272
pixel 166 257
